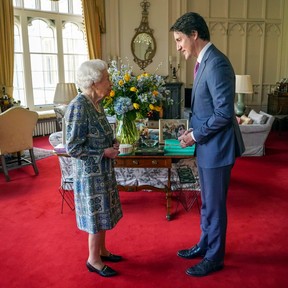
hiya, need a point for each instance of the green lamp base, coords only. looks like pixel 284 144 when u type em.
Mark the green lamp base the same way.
pixel 239 106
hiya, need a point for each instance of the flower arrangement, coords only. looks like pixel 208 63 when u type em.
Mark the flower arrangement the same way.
pixel 135 96
pixel 6 101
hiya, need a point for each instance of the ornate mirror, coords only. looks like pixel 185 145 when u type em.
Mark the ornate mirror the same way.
pixel 143 44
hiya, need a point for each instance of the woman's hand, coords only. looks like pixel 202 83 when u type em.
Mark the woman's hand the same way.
pixel 111 152
pixel 116 144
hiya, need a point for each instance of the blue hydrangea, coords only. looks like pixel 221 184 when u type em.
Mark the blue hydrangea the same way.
pixel 122 105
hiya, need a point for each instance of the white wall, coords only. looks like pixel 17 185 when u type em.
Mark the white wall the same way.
pixel 128 14
pixel 252 33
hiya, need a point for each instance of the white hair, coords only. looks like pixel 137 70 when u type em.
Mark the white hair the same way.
pixel 90 72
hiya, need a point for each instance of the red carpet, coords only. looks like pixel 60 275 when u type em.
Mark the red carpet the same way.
pixel 40 247
pixel 42 142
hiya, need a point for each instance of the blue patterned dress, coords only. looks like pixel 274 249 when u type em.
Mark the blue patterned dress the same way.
pixel 88 133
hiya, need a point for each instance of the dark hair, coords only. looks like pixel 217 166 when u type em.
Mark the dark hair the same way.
pixel 190 22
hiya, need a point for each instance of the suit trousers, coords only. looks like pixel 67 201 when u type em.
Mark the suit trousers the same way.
pixel 214 188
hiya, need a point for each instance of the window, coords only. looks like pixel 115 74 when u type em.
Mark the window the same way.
pixel 49 47
pixel 73 49
pixel 43 59
pixel 19 93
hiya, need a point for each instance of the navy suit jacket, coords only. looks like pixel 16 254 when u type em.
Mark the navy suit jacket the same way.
pixel 213 119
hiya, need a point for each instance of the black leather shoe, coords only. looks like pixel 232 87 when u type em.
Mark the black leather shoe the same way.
pixel 106 271
pixel 204 268
pixel 191 253
pixel 111 258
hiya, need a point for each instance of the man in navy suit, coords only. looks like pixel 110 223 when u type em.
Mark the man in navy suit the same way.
pixel 214 130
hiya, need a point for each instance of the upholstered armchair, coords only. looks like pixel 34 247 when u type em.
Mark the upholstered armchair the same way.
pixel 255 134
pixel 60 112
pixel 16 135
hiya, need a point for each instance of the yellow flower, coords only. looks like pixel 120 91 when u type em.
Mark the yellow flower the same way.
pixel 158 108
pixel 133 89
pixel 143 75
pixel 127 77
pixel 132 95
pixel 151 107
pixel 112 93
pixel 136 106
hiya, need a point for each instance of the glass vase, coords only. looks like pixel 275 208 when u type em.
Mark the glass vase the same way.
pixel 126 131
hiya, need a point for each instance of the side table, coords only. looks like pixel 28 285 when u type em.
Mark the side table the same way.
pixel 137 161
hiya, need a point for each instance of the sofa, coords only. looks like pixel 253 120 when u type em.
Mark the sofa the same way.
pixel 255 129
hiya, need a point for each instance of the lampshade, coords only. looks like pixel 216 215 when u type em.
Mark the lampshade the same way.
pixel 64 93
pixel 244 84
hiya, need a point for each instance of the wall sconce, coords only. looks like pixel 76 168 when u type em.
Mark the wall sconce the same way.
pixel 243 86
pixel 64 93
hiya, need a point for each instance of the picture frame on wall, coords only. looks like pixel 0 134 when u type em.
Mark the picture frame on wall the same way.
pixel 171 128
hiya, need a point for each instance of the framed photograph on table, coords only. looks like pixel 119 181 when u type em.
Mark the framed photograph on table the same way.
pixel 113 126
pixel 171 128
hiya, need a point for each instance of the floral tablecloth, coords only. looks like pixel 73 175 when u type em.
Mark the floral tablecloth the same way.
pixel 156 177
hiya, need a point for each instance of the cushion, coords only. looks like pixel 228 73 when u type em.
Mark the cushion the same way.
pixel 46 114
pixel 60 110
pixel 245 120
pixel 257 118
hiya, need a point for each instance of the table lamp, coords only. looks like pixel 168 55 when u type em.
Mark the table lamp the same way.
pixel 243 86
pixel 64 93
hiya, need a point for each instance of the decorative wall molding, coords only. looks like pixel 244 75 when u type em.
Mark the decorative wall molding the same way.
pixel 273 28
pixel 240 27
pixel 219 26
pixel 251 38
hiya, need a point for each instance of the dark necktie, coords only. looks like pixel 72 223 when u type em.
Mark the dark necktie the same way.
pixel 196 69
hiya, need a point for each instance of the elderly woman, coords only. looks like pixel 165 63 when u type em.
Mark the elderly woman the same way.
pixel 90 143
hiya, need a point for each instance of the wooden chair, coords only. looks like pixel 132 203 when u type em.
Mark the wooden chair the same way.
pixel 16 135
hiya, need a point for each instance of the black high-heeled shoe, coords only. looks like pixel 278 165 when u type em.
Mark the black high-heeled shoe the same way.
pixel 106 271
pixel 112 258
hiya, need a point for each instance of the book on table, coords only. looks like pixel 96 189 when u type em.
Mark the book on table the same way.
pixel 173 147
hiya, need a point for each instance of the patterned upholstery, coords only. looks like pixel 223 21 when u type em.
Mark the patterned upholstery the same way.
pixel 66 186
pixel 59 112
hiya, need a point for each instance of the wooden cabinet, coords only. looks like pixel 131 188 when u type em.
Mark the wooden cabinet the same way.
pixel 278 103
pixel 174 111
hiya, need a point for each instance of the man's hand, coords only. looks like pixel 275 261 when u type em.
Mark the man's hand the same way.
pixel 186 139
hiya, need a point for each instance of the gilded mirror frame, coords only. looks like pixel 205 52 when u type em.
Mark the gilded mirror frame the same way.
pixel 143 44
